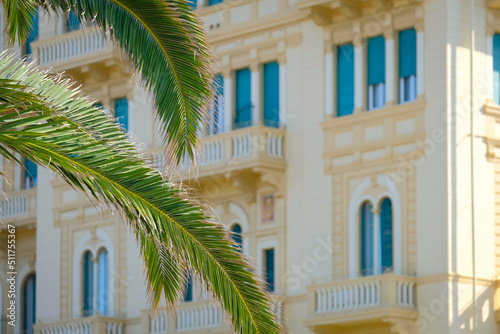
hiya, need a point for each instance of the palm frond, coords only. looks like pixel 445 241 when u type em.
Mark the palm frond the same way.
pixel 52 125
pixel 19 18
pixel 167 44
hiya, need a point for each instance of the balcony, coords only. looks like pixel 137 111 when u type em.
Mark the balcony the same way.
pixel 251 149
pixel 78 52
pixel 18 207
pixel 379 299
pixel 87 325
pixel 192 317
pixel 201 316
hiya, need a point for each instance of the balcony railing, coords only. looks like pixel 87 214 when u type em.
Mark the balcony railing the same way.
pixel 191 316
pixel 371 296
pixel 71 46
pixel 242 148
pixel 87 325
pixel 18 206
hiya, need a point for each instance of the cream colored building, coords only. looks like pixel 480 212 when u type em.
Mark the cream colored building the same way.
pixel 342 151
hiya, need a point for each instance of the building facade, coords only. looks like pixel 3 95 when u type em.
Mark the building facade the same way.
pixel 352 151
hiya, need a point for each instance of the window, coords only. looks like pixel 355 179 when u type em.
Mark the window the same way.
pixel 367 240
pixel 496 68
pixel 29 304
pixel 214 2
pixel 88 284
pixel 345 80
pixel 376 260
pixel 386 235
pixel 376 72
pixel 272 95
pixel 243 99
pixel 216 122
pixel 30 174
pixel 188 296
pixel 33 35
pixel 237 236
pixel 102 283
pixel 269 268
pixel 407 65
pixel 72 22
pixel 121 112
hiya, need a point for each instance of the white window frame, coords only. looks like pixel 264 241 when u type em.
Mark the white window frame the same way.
pixel 376 96
pixel 407 89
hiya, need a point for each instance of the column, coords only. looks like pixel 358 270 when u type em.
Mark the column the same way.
pixel 255 93
pixel 329 68
pixel 389 68
pixel 18 169
pixel 420 59
pixel 228 100
pixel 359 69
pixel 282 98
pixel 489 66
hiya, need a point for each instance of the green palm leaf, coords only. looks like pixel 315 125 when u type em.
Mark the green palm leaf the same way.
pixel 166 43
pixel 50 123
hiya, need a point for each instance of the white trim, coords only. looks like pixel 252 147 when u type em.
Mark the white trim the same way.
pixel 21 278
pixel 389 70
pixel 329 83
pixel 255 95
pixel 228 104
pixel 261 246
pixel 282 98
pixel 355 202
pixel 420 63
pixel 17 173
pixel 359 68
pixel 82 246
pixel 489 66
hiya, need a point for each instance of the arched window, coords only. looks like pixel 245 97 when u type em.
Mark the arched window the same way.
pixel 236 229
pixel 102 282
pixel 367 239
pixel 29 303
pixel 386 235
pixel 88 284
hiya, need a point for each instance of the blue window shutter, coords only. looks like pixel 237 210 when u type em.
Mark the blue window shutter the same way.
pixel 189 289
pixel 33 35
pixel 237 236
pixel 243 98
pixel 272 94
pixel 88 285
pixel 386 235
pixel 269 269
pixel 407 53
pixel 30 171
pixel 213 2
pixel 192 3
pixel 121 112
pixel 72 23
pixel 29 304
pixel 376 60
pixel 102 283
pixel 496 68
pixel 367 230
pixel 345 79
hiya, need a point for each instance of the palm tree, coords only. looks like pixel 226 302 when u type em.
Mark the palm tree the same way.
pixel 44 118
